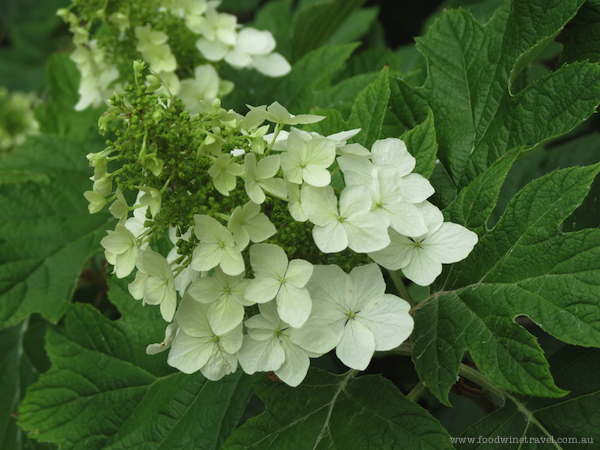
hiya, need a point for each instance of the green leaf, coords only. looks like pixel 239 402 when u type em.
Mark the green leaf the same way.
pixel 337 411
pixel 103 391
pixel 342 96
pixel 47 233
pixel 575 416
pixel 296 90
pixel 31 32
pixel 474 204
pixel 331 124
pixel 314 24
pixel 357 25
pixel 581 39
pixel 524 266
pixel 422 144
pixel 471 68
pixel 21 362
pixel 369 110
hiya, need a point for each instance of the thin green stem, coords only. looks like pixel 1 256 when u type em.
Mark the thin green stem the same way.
pixel 404 349
pixel 417 392
pixel 397 280
pixel 477 377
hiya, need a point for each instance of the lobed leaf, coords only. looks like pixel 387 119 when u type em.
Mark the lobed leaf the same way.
pixel 21 363
pixel 524 266
pixel 337 411
pixel 581 38
pixel 469 86
pixel 314 24
pixel 575 417
pixel 47 234
pixel 422 144
pixel 103 392
pixel 369 110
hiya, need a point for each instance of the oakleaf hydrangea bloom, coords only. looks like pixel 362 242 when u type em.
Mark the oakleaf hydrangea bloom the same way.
pixel 247 224
pixel 198 347
pixel 268 347
pixel 277 113
pixel 352 226
pixel 261 177
pixel 249 219
pixel 274 277
pixel 158 282
pixel 121 250
pixel 353 314
pixel 421 257
pixel 225 296
pixel 308 160
pixel 217 247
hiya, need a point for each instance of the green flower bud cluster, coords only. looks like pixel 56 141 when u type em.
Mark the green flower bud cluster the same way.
pixel 16 118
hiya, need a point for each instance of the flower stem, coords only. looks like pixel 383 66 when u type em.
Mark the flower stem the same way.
pixel 417 392
pixel 477 377
pixel 402 291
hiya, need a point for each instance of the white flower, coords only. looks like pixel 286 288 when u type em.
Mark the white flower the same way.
pixel 261 177
pixel 308 160
pixel 97 201
pixel 353 314
pixel 187 275
pixel 268 347
pixel 170 333
pixel 217 247
pixel 198 347
pixel 153 46
pixel 215 26
pixel 421 257
pixel 121 250
pixel 250 48
pixel 278 114
pixel 389 205
pixel 248 223
pixel 224 172
pixel 159 285
pixel 353 226
pixel 151 198
pixel 225 296
pixel 204 86
pixel 274 277
pixel 295 202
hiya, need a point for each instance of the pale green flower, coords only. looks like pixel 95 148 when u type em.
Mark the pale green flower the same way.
pixel 421 257
pixel 224 172
pixel 275 278
pixel 198 347
pixel 217 247
pixel 308 160
pixel 268 347
pixel 353 314
pixel 276 113
pixel 225 296
pixel 247 224
pixel 261 177
pixel 121 250
pixel 159 286
pixel 352 226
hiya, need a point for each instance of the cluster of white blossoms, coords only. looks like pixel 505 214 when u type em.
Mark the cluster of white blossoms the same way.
pixel 218 38
pixel 234 288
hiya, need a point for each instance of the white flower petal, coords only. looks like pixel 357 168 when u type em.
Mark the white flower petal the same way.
pixel 387 316
pixel 293 304
pixel 357 345
pixel 189 354
pixel 295 366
